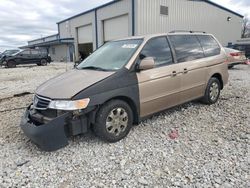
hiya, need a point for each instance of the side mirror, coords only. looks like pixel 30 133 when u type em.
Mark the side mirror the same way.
pixel 147 63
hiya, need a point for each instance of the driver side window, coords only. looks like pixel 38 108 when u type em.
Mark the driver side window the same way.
pixel 159 49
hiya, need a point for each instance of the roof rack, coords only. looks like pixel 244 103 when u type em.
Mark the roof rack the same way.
pixel 186 31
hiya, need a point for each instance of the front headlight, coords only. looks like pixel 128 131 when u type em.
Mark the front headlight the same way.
pixel 69 105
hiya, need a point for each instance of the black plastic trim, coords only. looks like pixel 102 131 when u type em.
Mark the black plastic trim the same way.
pixel 123 84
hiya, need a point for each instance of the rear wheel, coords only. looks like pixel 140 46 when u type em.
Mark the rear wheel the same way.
pixel 114 121
pixel 212 91
pixel 43 62
pixel 11 64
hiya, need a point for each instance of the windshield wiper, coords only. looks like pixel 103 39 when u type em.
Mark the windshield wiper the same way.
pixel 93 68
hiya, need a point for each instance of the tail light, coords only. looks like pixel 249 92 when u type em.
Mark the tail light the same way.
pixel 235 54
pixel 248 61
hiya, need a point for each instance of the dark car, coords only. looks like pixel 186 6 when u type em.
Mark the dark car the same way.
pixel 27 56
pixel 7 53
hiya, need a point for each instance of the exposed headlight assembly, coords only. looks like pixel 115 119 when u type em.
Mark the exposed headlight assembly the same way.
pixel 69 105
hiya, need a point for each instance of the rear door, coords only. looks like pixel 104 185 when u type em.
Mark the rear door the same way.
pixel 24 57
pixel 158 87
pixel 35 56
pixel 190 56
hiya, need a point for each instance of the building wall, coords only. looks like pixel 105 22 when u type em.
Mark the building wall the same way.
pixel 59 53
pixel 68 29
pixel 186 15
pixel 182 15
pixel 44 39
pixel 114 10
pixel 50 38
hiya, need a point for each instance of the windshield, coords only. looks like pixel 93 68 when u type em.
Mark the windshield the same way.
pixel 10 52
pixel 111 56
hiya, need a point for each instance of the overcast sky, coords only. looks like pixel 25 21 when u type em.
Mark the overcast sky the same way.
pixel 23 20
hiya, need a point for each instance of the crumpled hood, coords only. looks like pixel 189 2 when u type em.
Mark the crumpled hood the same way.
pixel 66 85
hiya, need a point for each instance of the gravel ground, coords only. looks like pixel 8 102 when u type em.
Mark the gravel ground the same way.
pixel 192 145
pixel 27 78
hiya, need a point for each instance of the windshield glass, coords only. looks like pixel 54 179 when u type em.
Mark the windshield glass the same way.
pixel 10 52
pixel 111 56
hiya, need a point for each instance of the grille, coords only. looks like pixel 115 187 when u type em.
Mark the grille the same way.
pixel 41 103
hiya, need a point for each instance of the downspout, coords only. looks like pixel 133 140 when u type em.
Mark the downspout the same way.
pixel 133 17
pixel 96 29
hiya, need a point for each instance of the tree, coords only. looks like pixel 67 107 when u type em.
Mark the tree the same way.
pixel 246 28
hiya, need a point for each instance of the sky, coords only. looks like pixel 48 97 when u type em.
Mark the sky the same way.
pixel 24 20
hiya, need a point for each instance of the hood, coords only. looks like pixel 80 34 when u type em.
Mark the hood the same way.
pixel 66 85
pixel 2 58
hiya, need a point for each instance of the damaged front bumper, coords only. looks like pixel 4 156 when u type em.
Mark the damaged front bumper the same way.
pixel 53 134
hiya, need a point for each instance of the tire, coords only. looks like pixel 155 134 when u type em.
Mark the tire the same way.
pixel 212 93
pixel 111 126
pixel 43 62
pixel 11 64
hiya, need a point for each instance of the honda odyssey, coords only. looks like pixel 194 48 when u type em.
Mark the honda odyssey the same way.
pixel 124 82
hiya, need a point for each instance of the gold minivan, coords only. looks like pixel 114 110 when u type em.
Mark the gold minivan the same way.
pixel 123 82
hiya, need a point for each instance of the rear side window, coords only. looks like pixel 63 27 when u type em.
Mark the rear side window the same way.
pixel 43 52
pixel 26 52
pixel 187 47
pixel 159 49
pixel 34 52
pixel 209 44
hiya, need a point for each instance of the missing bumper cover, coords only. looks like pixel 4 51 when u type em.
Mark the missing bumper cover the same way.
pixel 54 134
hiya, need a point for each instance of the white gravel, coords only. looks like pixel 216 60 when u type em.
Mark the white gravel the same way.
pixel 27 78
pixel 212 147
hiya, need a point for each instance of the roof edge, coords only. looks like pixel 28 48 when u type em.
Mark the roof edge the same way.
pixel 88 11
pixel 47 42
pixel 43 37
pixel 115 1
pixel 222 7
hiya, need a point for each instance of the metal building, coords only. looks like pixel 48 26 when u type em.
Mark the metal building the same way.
pixel 122 18
pixel 60 49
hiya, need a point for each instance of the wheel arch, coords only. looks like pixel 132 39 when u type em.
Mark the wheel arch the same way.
pixel 132 105
pixel 44 59
pixel 219 77
pixel 8 60
pixel 11 60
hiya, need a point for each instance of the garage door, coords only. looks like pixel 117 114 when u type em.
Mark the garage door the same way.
pixel 85 34
pixel 116 28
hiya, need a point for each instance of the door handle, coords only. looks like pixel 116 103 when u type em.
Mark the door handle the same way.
pixel 174 73
pixel 185 71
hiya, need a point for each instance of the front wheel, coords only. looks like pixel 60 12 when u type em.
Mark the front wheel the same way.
pixel 212 91
pixel 11 64
pixel 114 121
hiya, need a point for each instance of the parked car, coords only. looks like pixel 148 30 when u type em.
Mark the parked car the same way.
pixel 7 53
pixel 27 56
pixel 124 82
pixel 235 57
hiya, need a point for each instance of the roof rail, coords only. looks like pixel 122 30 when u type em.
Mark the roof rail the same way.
pixel 186 31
